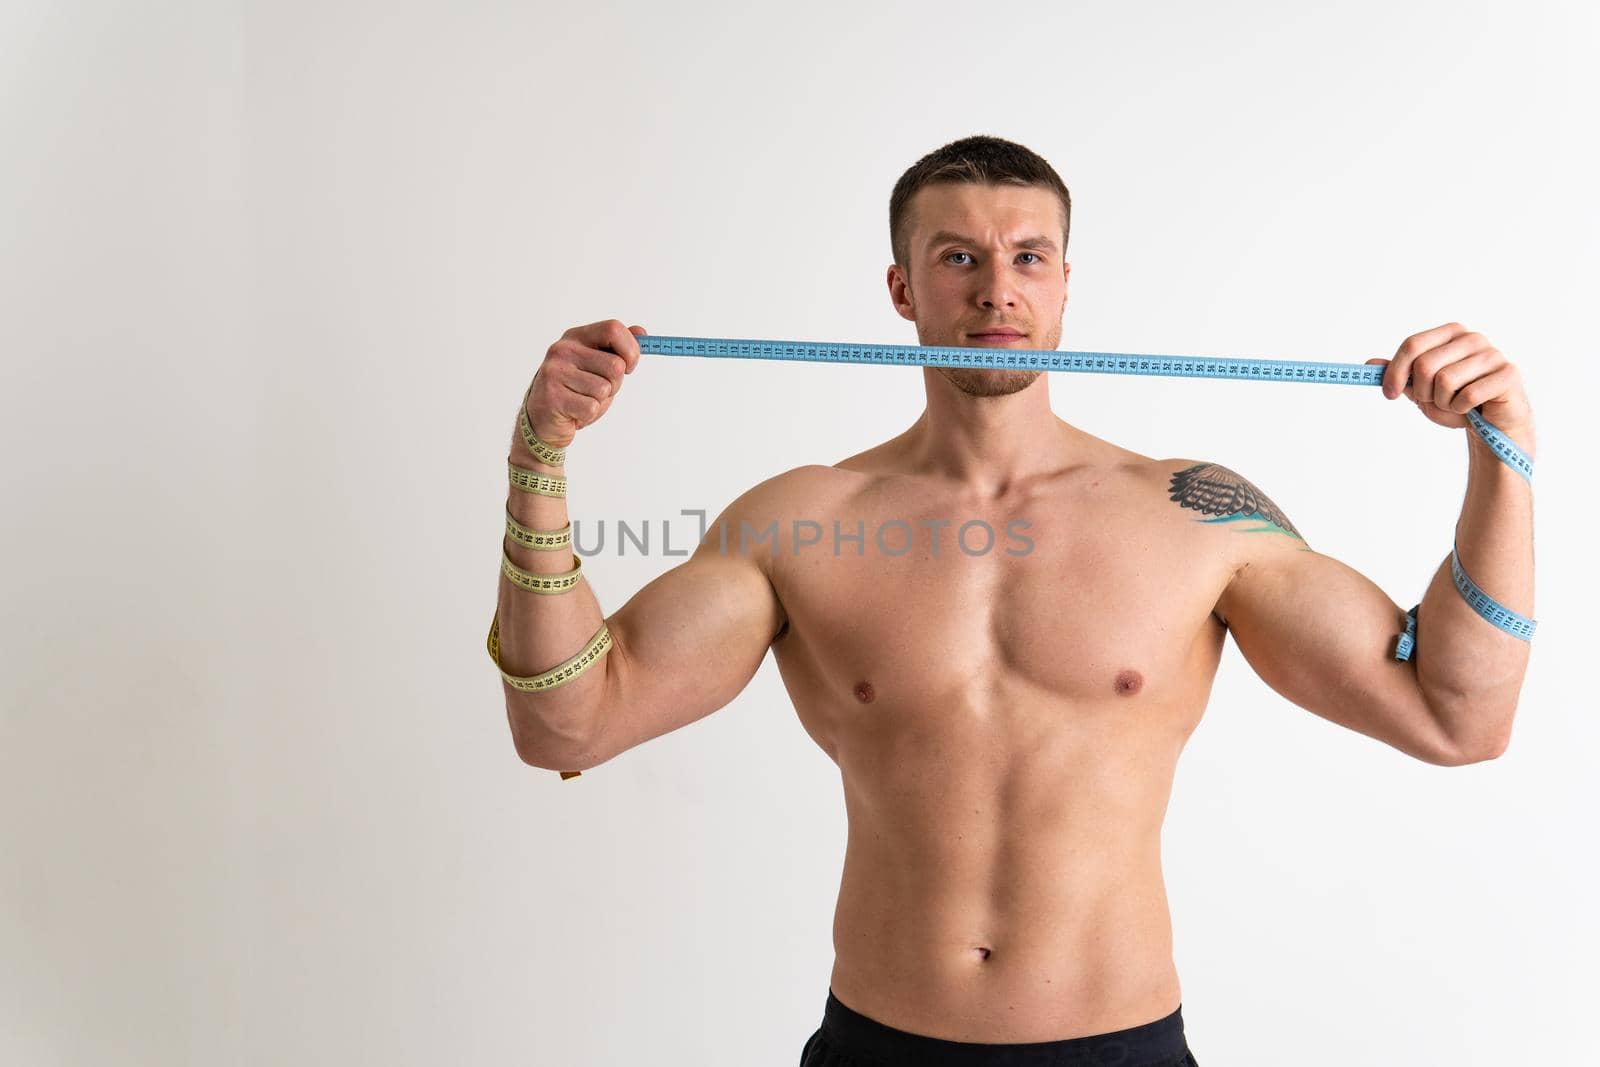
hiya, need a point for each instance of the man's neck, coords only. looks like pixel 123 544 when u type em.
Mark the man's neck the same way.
pixel 991 442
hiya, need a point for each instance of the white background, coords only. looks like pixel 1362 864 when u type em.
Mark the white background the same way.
pixel 274 276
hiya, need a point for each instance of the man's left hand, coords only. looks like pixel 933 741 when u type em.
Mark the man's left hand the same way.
pixel 1453 370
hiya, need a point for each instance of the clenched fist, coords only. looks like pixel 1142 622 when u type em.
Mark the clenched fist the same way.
pixel 1449 370
pixel 580 375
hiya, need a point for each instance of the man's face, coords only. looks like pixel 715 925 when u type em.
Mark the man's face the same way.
pixel 984 257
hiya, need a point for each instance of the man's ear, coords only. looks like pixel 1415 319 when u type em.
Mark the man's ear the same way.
pixel 900 288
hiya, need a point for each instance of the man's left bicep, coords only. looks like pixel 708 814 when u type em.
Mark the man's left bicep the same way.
pixel 1322 635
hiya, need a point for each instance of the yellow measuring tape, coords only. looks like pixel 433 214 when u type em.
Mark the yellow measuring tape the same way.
pixel 544 584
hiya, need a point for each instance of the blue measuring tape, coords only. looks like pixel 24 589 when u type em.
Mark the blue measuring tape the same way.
pixel 1279 370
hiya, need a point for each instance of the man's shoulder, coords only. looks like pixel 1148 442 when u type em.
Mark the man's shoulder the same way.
pixel 804 480
pixel 1229 512
pixel 756 526
pixel 791 492
pixel 1222 495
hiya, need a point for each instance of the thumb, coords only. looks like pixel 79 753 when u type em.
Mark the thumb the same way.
pixel 1384 377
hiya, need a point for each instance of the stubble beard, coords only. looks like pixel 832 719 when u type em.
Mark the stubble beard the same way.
pixel 999 381
pixel 988 382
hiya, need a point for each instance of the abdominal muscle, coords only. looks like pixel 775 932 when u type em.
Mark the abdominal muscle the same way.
pixel 1007 897
pixel 1007 730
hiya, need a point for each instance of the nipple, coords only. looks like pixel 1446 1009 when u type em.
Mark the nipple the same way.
pixel 864 692
pixel 1129 682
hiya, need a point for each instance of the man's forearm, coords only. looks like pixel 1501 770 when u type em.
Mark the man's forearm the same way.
pixel 1470 670
pixel 538 631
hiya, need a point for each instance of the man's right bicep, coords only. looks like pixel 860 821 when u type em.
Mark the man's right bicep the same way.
pixel 689 642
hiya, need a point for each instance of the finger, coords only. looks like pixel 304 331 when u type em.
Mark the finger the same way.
pixel 603 364
pixel 621 340
pixel 1450 380
pixel 1383 378
pixel 584 383
pixel 1400 373
pixel 571 351
pixel 1427 367
pixel 607 335
pixel 574 404
pixel 637 331
pixel 1491 385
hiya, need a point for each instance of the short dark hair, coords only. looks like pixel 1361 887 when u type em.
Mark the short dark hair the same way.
pixel 979 160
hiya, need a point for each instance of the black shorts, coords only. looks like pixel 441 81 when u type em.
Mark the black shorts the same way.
pixel 849 1039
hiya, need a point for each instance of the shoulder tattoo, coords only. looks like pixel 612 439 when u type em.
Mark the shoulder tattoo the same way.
pixel 1212 489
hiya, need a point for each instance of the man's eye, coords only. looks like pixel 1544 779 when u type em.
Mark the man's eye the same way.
pixel 1035 255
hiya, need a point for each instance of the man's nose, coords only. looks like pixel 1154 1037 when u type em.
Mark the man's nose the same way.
pixel 997 288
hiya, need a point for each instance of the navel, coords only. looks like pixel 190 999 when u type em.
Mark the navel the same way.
pixel 864 692
pixel 1129 682
pixel 982 952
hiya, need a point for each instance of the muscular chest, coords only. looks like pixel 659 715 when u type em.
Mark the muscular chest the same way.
pixel 1079 601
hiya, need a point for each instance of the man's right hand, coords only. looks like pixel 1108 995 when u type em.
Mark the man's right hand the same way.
pixel 580 375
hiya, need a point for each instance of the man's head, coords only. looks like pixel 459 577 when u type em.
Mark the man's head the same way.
pixel 979 229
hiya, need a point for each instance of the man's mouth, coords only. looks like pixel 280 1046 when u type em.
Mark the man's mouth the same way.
pixel 994 336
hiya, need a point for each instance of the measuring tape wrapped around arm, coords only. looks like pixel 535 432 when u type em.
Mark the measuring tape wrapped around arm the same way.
pixel 544 584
